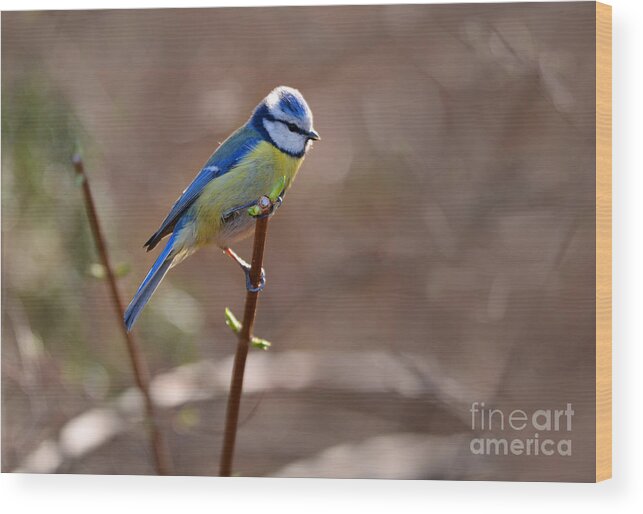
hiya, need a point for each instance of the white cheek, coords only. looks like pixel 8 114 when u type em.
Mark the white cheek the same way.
pixel 284 138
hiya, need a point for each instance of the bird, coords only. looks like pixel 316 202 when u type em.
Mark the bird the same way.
pixel 270 147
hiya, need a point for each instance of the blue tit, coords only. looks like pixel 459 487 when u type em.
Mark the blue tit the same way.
pixel 269 148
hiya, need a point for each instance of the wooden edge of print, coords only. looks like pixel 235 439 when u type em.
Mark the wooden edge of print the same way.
pixel 603 241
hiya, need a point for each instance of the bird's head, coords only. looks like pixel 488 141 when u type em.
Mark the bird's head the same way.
pixel 285 119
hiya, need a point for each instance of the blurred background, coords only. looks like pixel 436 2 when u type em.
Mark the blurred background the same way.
pixel 436 249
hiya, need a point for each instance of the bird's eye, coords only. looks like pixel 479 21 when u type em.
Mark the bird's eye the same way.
pixel 292 127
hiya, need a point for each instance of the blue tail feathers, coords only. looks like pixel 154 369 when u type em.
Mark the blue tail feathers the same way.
pixel 150 283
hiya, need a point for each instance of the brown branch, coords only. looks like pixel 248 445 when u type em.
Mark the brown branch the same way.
pixel 141 373
pixel 238 369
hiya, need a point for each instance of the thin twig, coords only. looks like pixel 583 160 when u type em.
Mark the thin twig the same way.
pixel 236 384
pixel 141 373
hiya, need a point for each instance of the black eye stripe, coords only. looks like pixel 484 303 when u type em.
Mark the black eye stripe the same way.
pixel 291 126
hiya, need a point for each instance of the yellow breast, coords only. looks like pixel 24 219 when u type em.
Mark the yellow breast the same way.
pixel 283 165
pixel 254 176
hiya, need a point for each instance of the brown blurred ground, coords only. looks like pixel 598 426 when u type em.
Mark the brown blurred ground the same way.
pixel 446 221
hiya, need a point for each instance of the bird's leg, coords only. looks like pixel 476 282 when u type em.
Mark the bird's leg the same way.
pixel 230 212
pixel 265 206
pixel 246 269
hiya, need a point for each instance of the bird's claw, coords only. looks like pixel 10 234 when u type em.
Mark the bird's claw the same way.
pixel 250 286
pixel 277 204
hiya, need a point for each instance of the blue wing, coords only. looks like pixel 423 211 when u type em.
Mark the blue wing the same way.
pixel 225 158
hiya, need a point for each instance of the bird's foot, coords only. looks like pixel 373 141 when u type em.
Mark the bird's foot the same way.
pixel 250 286
pixel 246 269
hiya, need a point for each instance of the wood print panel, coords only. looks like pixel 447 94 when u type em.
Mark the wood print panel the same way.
pixel 440 261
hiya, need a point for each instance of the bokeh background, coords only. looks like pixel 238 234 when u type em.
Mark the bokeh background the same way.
pixel 436 249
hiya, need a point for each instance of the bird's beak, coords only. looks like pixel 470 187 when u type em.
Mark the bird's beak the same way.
pixel 313 135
